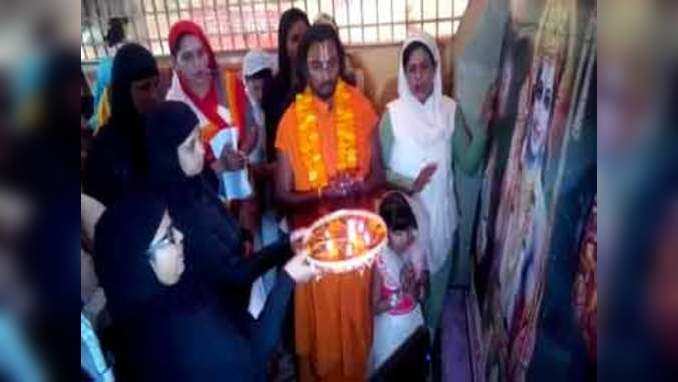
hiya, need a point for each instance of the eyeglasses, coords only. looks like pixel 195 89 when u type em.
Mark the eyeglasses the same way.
pixel 169 238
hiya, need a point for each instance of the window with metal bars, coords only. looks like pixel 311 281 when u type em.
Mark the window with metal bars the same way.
pixel 237 25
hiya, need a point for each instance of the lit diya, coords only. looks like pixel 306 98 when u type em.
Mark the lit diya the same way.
pixel 342 241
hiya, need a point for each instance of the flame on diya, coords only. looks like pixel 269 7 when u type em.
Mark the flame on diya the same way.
pixel 342 241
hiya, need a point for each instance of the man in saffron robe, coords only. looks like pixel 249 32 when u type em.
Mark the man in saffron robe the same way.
pixel 328 158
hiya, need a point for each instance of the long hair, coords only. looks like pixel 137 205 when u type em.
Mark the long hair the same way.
pixel 287 20
pixel 316 34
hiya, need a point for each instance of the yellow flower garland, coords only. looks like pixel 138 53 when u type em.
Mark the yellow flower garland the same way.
pixel 308 135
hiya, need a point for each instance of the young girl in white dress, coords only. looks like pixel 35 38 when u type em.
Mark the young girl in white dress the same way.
pixel 399 287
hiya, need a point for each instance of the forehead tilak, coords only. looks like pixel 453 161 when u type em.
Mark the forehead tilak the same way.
pixel 324 51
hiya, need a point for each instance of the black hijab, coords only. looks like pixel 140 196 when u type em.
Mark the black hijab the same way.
pixel 156 328
pixel 122 237
pixel 117 163
pixel 132 63
pixel 167 127
pixel 192 201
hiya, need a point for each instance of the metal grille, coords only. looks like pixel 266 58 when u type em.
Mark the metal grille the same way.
pixel 236 25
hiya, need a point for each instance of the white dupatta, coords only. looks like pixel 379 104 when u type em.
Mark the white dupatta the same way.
pixel 422 135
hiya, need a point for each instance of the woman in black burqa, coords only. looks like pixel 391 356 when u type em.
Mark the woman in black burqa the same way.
pixel 213 236
pixel 170 323
pixel 116 163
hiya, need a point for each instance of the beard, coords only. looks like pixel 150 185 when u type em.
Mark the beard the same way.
pixel 324 90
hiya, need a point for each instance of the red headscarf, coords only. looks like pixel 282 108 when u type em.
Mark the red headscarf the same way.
pixel 207 105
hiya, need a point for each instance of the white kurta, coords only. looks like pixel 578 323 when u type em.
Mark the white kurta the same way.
pixel 422 134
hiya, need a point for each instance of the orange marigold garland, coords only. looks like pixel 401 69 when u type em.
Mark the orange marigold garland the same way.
pixel 347 158
pixel 309 140
pixel 308 135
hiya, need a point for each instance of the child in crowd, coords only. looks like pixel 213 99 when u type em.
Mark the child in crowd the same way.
pixel 257 72
pixel 398 290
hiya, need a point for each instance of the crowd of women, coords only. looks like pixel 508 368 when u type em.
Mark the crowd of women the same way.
pixel 187 267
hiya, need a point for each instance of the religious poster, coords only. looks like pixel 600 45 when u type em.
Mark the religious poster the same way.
pixel 516 216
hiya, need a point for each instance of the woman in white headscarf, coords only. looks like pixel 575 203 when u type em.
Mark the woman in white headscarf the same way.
pixel 420 149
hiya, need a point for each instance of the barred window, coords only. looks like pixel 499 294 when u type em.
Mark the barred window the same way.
pixel 237 25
